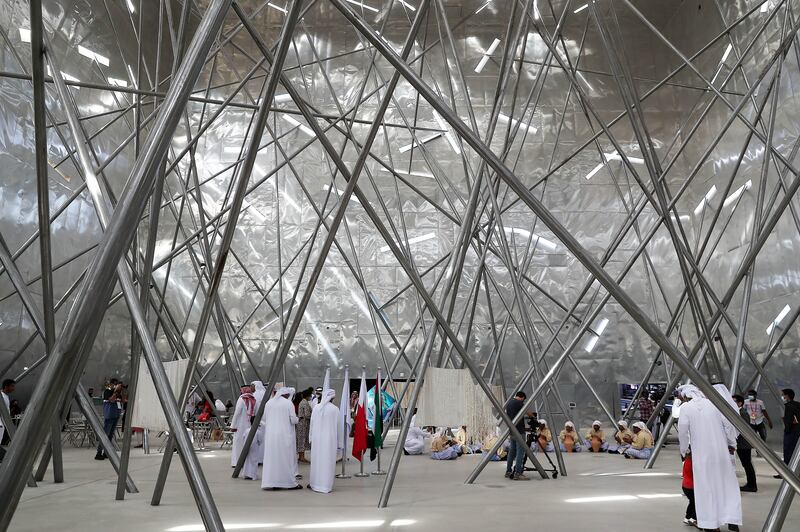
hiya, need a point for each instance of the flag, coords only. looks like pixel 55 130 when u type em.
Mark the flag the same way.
pixel 344 408
pixel 360 431
pixel 326 382
pixel 377 430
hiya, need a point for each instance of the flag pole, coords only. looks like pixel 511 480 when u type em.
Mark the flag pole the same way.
pixel 378 412
pixel 361 459
pixel 346 432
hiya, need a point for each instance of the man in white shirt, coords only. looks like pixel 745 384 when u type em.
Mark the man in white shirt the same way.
pixel 757 413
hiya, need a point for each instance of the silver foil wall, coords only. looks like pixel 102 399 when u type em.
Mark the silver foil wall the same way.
pixel 420 192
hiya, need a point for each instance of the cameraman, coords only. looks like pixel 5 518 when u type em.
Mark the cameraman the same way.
pixel 514 470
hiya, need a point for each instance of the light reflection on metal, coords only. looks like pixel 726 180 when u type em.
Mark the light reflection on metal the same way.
pixel 736 193
pixel 486 55
pixel 281 209
pixel 706 200
pixel 778 319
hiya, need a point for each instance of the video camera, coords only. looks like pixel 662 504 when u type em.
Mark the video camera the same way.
pixel 532 429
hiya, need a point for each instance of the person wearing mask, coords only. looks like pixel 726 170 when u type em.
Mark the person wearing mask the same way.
pixel 112 409
pixel 280 456
pixel 304 412
pixel 515 463
pixel 325 432
pixel 596 438
pixel 744 450
pixel 704 437
pixel 642 442
pixel 757 413
pixel 568 439
pixel 791 424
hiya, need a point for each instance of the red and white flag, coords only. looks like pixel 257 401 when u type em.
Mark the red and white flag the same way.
pixel 360 421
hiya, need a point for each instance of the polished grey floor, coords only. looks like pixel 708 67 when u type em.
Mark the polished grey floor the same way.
pixel 428 495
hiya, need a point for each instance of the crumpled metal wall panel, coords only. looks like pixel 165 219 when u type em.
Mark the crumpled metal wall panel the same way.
pixel 337 328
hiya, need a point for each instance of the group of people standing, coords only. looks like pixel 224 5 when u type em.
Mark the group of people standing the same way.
pixel 285 433
pixel 708 442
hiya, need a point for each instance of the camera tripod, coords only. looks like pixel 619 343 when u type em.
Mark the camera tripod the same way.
pixel 554 469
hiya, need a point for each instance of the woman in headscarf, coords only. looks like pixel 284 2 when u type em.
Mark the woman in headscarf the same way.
pixel 596 438
pixel 545 439
pixel 303 424
pixel 570 442
pixel 622 438
pixel 642 444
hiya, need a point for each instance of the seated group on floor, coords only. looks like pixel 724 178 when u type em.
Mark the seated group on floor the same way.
pixel 444 445
pixel 635 443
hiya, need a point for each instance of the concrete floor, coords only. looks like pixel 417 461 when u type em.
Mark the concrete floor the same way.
pixel 428 495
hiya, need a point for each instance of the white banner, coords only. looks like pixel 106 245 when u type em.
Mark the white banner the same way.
pixel 147 410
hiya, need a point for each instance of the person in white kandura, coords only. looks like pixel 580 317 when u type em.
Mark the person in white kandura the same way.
pixel 280 458
pixel 259 392
pixel 325 435
pixel 240 421
pixel 711 444
pixel 256 454
pixel 415 441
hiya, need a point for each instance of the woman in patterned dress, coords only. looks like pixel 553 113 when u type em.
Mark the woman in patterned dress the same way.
pixel 304 415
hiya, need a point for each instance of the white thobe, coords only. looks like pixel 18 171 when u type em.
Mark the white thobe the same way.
pixel 716 490
pixel 8 405
pixel 325 433
pixel 241 422
pixel 250 468
pixel 280 457
pixel 258 441
pixel 415 441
